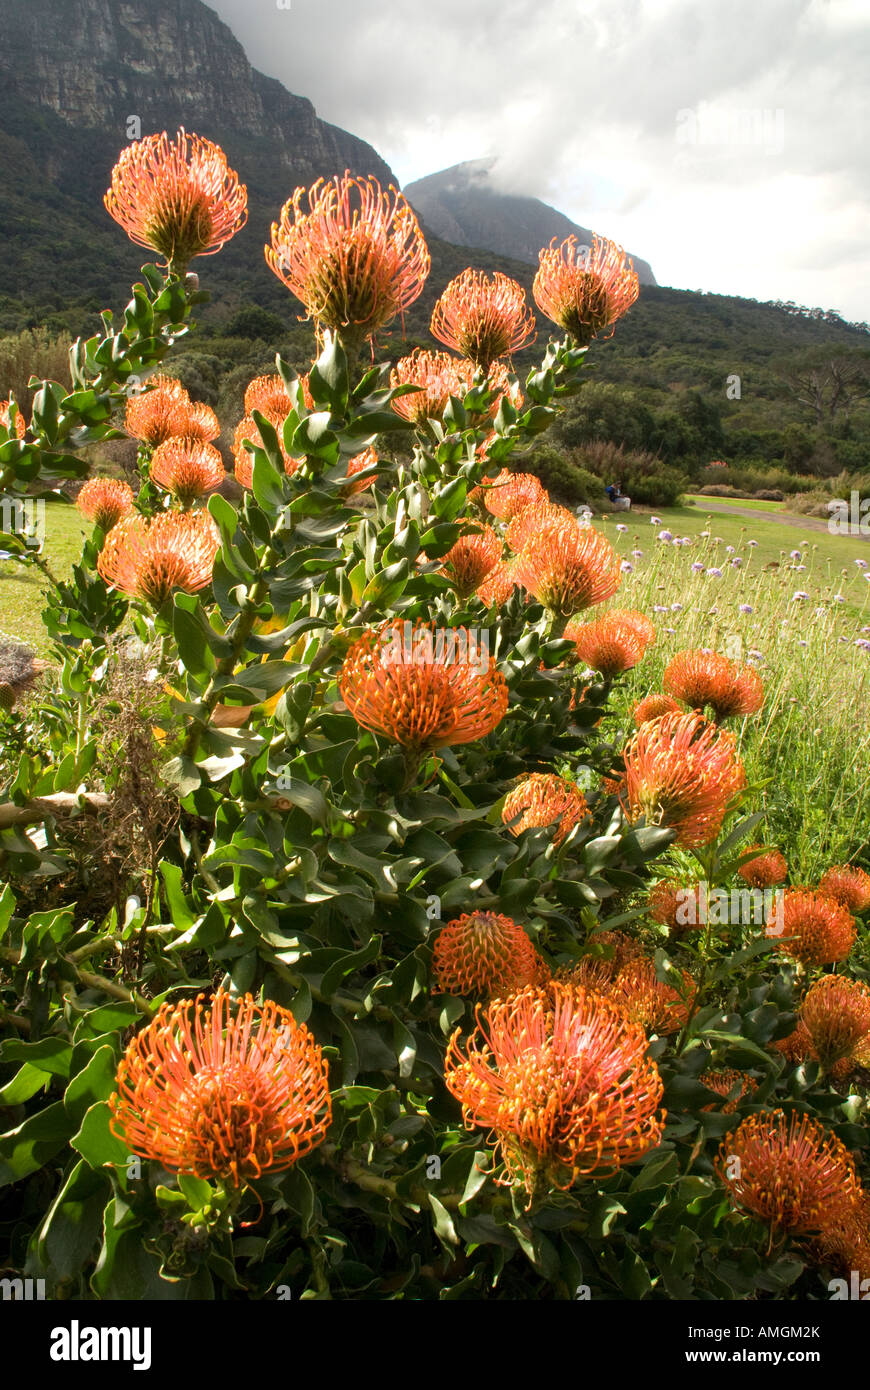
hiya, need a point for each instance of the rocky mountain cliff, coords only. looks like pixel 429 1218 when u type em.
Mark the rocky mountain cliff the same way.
pixel 465 205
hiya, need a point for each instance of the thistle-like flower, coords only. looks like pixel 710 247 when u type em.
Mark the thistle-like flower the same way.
pixel 766 870
pixel 507 494
pixel 358 464
pixel 733 1086
pixel 657 1007
pixel 157 412
pixel 187 468
pixel 268 395
pixel 104 501
pixel 791 1172
pixel 430 692
pixel 681 772
pixel 498 585
pixel 438 375
pixel 613 643
pixel 483 319
pixel 584 290
pixel 848 885
pixel 228 1091
pixel 700 678
pixel 485 953
pixel 179 198
pixel 150 558
pixel 526 523
pixel 560 1078
pixel 568 568
pixel 836 1015
pixel 653 707
pixel 675 905
pixel 471 559
pixel 351 253
pixel 815 930
pixel 544 798
pixel 19 670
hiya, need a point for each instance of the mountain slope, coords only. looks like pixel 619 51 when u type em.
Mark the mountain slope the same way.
pixel 464 205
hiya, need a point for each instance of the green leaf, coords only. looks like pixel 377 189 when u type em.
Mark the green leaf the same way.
pixel 95 1082
pixel 95 1141
pixel 29 1147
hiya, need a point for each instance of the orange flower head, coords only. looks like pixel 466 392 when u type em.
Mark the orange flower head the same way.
pixel 268 395
pixel 844 1240
pixel 508 493
pixel 483 319
pixel 471 559
pixel 230 1090
pixel 498 585
pixel 560 1078
pixel 848 885
pixel 653 707
pixel 568 568
pixel 655 1006
pixel 423 687
pixel 187 468
pixel 766 870
pixel 543 798
pixel 438 375
pixel 353 254
pixel 675 905
pixel 244 469
pixel 796 1046
pixel 700 678
pixel 20 426
pixel 610 645
pixel 836 1014
pixel 179 198
pixel 681 772
pixel 791 1173
pixel 584 290
pixel 358 464
pixel 150 558
pixel 815 930
pixel 104 501
pixel 526 523
pixel 724 1083
pixel 156 413
pixel 194 420
pixel 598 972
pixel 485 953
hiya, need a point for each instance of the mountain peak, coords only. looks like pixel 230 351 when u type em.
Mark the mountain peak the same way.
pixel 468 205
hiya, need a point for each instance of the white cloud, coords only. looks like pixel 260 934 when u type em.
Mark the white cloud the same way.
pixel 582 104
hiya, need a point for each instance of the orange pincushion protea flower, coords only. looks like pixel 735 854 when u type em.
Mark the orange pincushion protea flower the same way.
pixel 527 522
pixel 104 501
pixel 195 420
pixel 653 707
pixel 822 931
pixel 483 319
pixel 229 1091
pixel 560 1077
pixel 543 798
pixel 353 254
pixel 681 772
pixel 498 585
pixel 149 559
pixel 836 1015
pixel 187 468
pixel 700 678
pixel 568 568
pixel 244 469
pixel 485 953
pixel 848 885
pixel 845 1241
pixel 439 377
pixel 725 1083
pixel 20 426
pixel 611 644
pixel 655 1006
pixel 358 464
pixel 766 870
pixel 424 688
pixel 471 559
pixel 178 197
pixel 671 903
pixel 156 414
pixel 507 494
pixel 792 1173
pixel 598 972
pixel 268 394
pixel 584 290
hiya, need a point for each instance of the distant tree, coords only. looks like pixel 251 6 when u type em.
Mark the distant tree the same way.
pixel 828 384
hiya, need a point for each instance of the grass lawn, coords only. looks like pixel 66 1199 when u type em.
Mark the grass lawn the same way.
pixel 22 586
pixel 749 503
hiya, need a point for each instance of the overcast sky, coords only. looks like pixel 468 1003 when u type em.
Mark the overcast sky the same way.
pixel 725 141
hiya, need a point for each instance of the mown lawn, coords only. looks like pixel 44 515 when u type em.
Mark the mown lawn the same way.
pixel 22 586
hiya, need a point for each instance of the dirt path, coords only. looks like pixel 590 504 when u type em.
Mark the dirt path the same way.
pixel 809 523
